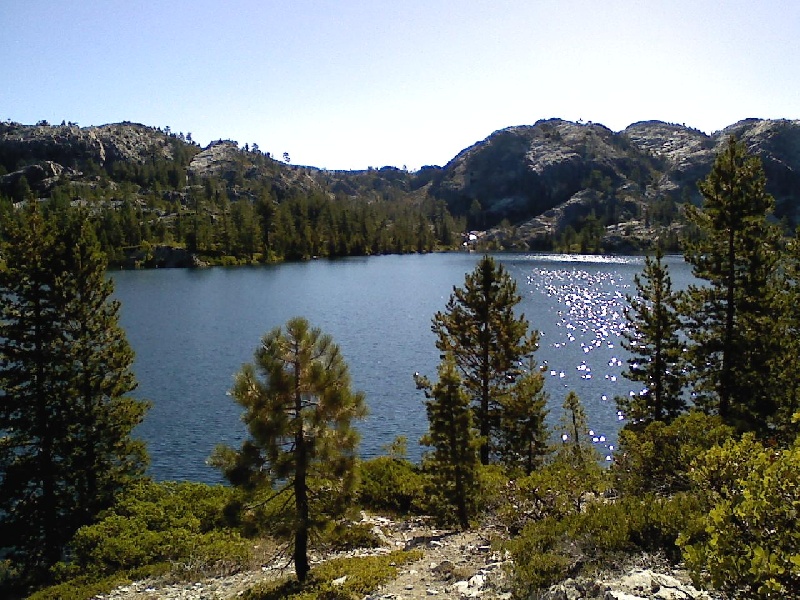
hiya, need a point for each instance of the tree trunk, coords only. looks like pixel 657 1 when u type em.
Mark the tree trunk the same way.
pixel 485 426
pixel 727 348
pixel 458 461
pixel 301 565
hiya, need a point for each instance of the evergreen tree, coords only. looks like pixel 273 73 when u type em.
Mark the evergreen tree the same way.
pixel 299 416
pixel 453 463
pixel 65 367
pixel 787 358
pixel 574 431
pixel 102 361
pixel 21 191
pixel 487 341
pixel 652 339
pixel 245 226
pixel 730 320
pixel 523 435
pixel 575 466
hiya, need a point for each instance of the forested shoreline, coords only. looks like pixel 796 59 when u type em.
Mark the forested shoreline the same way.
pixel 157 198
pixel 706 472
pixel 245 207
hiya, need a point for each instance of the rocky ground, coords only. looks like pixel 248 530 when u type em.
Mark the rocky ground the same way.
pixel 454 565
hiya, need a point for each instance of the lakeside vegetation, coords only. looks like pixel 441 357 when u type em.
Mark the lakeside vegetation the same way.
pixel 216 231
pixel 706 470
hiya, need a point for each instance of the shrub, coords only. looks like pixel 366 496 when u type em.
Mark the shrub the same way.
pixel 390 483
pixel 349 536
pixel 79 589
pixel 180 523
pixel 493 482
pixel 551 549
pixel 363 575
pixel 562 487
pixel 657 458
pixel 748 544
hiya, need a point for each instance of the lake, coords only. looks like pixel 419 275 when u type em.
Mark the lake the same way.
pixel 193 329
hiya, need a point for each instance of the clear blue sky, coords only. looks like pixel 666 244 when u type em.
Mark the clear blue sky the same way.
pixel 359 83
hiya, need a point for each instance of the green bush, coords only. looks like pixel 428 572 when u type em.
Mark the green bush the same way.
pixel 657 459
pixel 539 570
pixel 79 589
pixel 561 488
pixel 549 550
pixel 349 536
pixel 748 544
pixel 362 576
pixel 393 484
pixel 180 523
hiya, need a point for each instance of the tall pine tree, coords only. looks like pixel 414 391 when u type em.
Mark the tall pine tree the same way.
pixel 787 359
pixel 652 338
pixel 730 320
pixel 523 437
pixel 65 369
pixel 299 414
pixel 487 341
pixel 105 456
pixel 453 463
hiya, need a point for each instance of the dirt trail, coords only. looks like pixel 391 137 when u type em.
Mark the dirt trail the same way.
pixel 454 565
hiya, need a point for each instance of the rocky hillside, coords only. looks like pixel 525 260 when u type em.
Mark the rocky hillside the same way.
pixel 537 186
pixel 47 155
pixel 558 174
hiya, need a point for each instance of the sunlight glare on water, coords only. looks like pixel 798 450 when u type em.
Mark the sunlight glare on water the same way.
pixel 581 346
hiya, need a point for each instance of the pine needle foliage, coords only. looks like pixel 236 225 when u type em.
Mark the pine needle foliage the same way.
pixel 576 445
pixel 523 438
pixel 730 319
pixel 453 462
pixel 487 341
pixel 652 338
pixel 575 464
pixel 66 422
pixel 299 409
pixel 788 356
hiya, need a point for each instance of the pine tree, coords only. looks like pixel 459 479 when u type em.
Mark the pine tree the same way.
pixel 730 320
pixel 574 431
pixel 102 360
pixel 787 356
pixel 299 415
pixel 22 190
pixel 65 367
pixel 575 469
pixel 265 207
pixel 523 436
pixel 453 463
pixel 487 341
pixel 652 339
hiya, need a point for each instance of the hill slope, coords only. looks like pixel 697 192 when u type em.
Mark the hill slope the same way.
pixel 557 174
pixel 554 184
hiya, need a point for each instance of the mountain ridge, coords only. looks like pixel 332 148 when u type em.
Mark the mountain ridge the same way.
pixel 555 183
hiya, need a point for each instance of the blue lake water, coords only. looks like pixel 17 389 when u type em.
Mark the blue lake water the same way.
pixel 193 329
